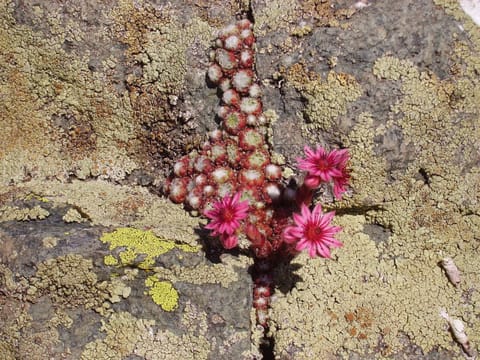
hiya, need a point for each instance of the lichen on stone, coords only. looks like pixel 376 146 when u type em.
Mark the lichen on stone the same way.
pixel 107 204
pixel 50 241
pixel 9 213
pixel 200 274
pixel 190 345
pixel 363 296
pixel 123 332
pixel 73 215
pixel 326 99
pixel 69 281
pixel 162 50
pixel 427 208
pixel 56 104
pixel 135 243
pixel 127 335
pixel 162 293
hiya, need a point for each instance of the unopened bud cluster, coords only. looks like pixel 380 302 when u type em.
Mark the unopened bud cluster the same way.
pixel 235 157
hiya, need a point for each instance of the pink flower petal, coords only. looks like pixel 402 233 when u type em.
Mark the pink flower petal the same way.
pixel 229 242
pixel 313 231
pixel 226 215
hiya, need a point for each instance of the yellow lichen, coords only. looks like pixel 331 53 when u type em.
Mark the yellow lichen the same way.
pixel 163 293
pixel 110 260
pixel 137 242
pixel 187 248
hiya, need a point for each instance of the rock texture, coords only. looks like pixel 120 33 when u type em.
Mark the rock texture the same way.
pixel 99 98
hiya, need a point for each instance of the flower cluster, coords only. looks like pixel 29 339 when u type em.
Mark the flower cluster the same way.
pixel 233 182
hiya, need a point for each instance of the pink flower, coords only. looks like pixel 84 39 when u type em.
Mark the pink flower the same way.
pixel 228 241
pixel 312 231
pixel 340 183
pixel 226 216
pixel 322 166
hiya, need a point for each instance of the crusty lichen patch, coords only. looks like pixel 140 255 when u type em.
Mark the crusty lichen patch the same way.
pixel 72 215
pixel 127 335
pixel 123 331
pixel 57 115
pixel 135 243
pixel 200 274
pixel 362 297
pixel 163 293
pixel 362 300
pixel 277 15
pixel 92 95
pixel 162 49
pixel 326 99
pixel 104 203
pixel 69 281
pixel 9 213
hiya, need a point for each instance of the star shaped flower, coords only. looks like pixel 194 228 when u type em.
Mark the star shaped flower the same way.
pixel 313 231
pixel 322 166
pixel 225 218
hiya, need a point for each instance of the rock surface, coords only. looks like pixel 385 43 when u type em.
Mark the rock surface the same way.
pixel 98 99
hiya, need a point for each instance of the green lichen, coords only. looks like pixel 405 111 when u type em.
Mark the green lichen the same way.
pixel 110 260
pixel 163 293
